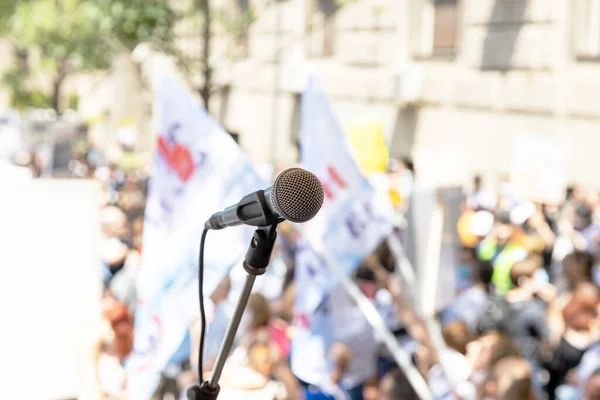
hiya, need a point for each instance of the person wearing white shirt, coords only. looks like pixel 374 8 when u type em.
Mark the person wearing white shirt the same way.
pixel 481 198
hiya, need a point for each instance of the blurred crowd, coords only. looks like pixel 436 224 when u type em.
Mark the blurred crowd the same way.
pixel 526 320
pixel 523 325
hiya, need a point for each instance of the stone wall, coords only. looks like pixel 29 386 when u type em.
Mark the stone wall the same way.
pixel 514 72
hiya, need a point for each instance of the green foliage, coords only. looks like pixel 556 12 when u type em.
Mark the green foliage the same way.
pixel 237 22
pixel 54 38
pixel 139 21
pixel 21 94
pixel 66 36
pixel 73 101
pixel 341 3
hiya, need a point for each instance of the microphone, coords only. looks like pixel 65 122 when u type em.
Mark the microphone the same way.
pixel 296 196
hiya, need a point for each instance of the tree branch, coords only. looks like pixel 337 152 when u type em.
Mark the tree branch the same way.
pixel 205 91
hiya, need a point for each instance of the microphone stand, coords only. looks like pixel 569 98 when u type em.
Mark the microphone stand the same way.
pixel 255 263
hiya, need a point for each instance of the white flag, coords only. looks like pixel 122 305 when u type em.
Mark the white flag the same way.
pixel 198 170
pixel 351 223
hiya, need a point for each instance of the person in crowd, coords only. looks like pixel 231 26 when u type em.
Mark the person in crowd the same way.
pixel 258 378
pixel 448 370
pixel 526 320
pixel 359 371
pixel 509 194
pixel 111 352
pixel 465 233
pixel 451 375
pixel 401 178
pixel 577 267
pixel 585 225
pixel 256 365
pixel 470 305
pixel 567 240
pixel 32 160
pixel 467 258
pixel 592 387
pixel 457 336
pixel 485 351
pixel 114 256
pixel 395 386
pixel 131 197
pixel 137 230
pixel 589 364
pixel 473 227
pixel 481 198
pixel 576 232
pixel 123 287
pixel 354 352
pixel 114 223
pixel 582 329
pixel 341 355
pixel 510 379
pixel 540 237
pixel 503 250
pixel 255 324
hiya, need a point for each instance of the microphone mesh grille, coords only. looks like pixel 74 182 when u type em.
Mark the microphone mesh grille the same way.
pixel 297 195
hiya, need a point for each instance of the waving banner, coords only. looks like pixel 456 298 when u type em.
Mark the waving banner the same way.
pixel 353 221
pixel 198 169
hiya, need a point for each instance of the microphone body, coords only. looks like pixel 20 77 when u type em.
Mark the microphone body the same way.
pixel 254 209
pixel 296 195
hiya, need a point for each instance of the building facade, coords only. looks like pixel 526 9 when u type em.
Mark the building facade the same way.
pixel 462 86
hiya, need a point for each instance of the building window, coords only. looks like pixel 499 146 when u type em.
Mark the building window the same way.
pixel 435 27
pixel 586 29
pixel 320 28
pixel 445 27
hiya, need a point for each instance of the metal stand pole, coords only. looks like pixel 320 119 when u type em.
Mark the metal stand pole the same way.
pixel 232 330
pixel 257 259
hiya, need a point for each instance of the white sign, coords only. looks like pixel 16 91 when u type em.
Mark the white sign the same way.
pixel 540 166
pixel 51 286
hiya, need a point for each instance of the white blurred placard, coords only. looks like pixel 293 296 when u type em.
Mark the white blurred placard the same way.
pixel 50 287
pixel 12 174
pixel 432 244
pixel 540 166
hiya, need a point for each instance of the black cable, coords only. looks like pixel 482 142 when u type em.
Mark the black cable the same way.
pixel 201 297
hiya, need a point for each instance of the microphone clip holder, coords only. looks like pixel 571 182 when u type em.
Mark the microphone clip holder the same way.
pixel 259 252
pixel 255 264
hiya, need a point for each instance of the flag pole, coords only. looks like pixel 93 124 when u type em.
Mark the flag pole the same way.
pixel 405 271
pixel 404 267
pixel 376 321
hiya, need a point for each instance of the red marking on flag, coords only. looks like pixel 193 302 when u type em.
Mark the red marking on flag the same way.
pixel 302 321
pixel 336 177
pixel 177 157
pixel 326 190
pixel 333 179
